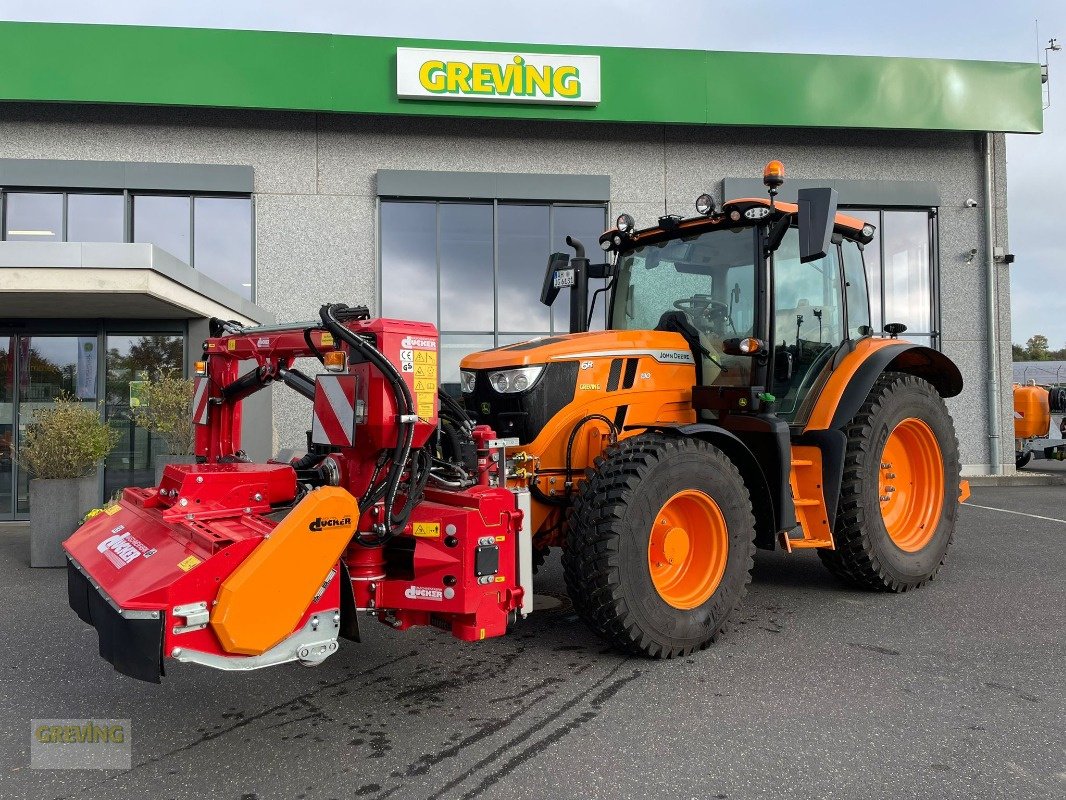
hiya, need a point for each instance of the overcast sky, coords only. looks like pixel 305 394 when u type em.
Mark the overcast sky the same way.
pixel 1003 30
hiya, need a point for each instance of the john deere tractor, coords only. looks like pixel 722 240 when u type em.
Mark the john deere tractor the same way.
pixel 737 399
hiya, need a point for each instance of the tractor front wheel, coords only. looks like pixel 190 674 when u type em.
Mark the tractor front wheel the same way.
pixel 899 494
pixel 659 544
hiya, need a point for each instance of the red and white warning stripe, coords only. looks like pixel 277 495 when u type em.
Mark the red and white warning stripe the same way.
pixel 334 413
pixel 199 401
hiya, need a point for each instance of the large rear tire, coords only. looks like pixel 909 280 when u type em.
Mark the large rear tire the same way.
pixel 659 545
pixel 899 495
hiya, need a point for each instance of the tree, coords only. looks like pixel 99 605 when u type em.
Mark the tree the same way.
pixel 1037 347
pixel 1017 352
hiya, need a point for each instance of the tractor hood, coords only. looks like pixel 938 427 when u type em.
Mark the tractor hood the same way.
pixel 663 346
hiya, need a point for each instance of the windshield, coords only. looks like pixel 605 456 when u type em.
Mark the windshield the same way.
pixel 710 277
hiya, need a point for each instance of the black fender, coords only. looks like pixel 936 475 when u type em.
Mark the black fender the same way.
pixel 914 359
pixel 768 516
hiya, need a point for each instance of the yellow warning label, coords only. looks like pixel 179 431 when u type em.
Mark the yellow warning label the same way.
pixel 426 371
pixel 482 634
pixel 188 563
pixel 425 357
pixel 327 338
pixel 231 344
pixel 426 404
pixel 425 385
pixel 501 538
pixel 428 530
pixel 112 510
pixel 500 579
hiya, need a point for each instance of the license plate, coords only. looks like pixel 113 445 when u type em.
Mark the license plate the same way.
pixel 563 278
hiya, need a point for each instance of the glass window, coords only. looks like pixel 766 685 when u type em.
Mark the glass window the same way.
pixel 872 261
pixel 808 320
pixel 50 366
pixel 464 248
pixel 855 289
pixel 409 261
pixel 710 277
pixel 96 218
pixel 133 358
pixel 489 271
pixel 453 347
pixel 523 246
pixel 584 223
pixel 907 276
pixel 163 221
pixel 34 217
pixel 223 241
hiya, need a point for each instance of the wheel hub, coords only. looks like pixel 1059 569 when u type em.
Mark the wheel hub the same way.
pixel 687 549
pixel 911 484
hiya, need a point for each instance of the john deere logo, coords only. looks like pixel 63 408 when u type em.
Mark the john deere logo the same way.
pixel 486 408
pixel 499 76
pixel 321 523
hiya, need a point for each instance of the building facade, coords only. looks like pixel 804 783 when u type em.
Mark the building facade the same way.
pixel 256 176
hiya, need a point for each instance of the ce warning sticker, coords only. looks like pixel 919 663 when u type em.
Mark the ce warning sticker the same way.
pixel 188 563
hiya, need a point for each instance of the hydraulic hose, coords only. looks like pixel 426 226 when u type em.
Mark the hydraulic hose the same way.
pixel 404 406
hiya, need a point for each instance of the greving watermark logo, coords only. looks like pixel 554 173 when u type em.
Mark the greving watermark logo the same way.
pixel 80 744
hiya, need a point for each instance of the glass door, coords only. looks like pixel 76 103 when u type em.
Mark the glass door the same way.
pixel 131 360
pixel 7 426
pixel 45 368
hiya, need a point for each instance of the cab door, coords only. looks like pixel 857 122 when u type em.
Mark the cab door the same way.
pixel 808 323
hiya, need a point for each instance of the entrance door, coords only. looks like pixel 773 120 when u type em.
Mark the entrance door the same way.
pixel 7 426
pixel 37 369
pixel 131 359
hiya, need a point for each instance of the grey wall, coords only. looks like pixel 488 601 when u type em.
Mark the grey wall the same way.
pixel 316 194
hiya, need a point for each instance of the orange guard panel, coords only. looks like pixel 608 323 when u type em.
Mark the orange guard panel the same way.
pixel 262 601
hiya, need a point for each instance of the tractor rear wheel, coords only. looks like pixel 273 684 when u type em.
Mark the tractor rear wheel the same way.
pixel 899 495
pixel 659 545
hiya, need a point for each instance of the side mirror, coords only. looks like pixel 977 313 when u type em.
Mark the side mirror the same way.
pixel 557 263
pixel 817 212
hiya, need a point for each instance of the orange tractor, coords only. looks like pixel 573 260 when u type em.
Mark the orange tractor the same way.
pixel 737 399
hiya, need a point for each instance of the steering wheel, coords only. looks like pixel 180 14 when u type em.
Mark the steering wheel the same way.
pixel 706 312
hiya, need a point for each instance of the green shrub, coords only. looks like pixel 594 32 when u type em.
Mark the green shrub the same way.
pixel 67 440
pixel 166 410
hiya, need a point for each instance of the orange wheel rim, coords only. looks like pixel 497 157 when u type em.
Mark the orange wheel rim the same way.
pixel 687 549
pixel 911 484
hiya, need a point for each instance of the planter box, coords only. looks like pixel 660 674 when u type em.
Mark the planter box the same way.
pixel 56 509
pixel 162 461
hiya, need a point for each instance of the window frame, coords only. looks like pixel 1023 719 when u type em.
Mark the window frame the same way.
pixel 933 229
pixel 128 215
pixel 495 204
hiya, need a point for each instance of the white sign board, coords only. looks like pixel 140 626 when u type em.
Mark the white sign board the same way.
pixel 497 77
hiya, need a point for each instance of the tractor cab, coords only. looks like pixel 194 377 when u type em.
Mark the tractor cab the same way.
pixel 764 292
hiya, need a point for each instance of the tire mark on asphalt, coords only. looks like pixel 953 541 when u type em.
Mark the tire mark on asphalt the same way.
pixel 208 737
pixel 873 648
pixel 1013 691
pixel 556 735
pixel 523 736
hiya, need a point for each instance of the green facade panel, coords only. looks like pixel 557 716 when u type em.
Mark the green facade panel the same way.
pixel 357 74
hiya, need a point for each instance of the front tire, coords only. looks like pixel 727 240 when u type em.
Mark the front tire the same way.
pixel 659 545
pixel 899 494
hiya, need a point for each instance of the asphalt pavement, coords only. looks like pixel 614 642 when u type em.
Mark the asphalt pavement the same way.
pixel 815 691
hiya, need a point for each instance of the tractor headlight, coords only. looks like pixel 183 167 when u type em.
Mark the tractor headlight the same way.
pixel 511 381
pixel 467 380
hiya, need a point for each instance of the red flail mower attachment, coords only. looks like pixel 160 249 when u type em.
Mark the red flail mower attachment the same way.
pixel 237 566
